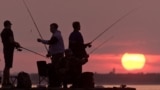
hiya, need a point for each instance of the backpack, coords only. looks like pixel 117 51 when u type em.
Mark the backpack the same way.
pixel 23 80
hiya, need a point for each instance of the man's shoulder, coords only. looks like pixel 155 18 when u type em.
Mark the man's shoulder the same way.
pixel 75 33
pixel 7 31
pixel 57 33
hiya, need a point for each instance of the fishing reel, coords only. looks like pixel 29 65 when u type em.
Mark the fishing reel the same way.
pixel 19 49
pixel 17 46
pixel 88 44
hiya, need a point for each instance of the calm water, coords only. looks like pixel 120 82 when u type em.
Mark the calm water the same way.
pixel 139 87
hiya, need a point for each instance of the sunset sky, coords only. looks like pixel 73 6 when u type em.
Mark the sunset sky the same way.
pixel 139 32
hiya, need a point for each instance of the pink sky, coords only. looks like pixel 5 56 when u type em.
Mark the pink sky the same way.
pixel 138 32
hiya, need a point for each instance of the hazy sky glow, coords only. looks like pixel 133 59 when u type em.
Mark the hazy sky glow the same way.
pixel 137 33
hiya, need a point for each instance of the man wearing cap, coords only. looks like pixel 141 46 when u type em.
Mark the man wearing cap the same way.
pixel 9 44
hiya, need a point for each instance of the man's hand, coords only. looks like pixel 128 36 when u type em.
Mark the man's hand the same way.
pixel 89 44
pixel 39 40
pixel 48 55
pixel 18 46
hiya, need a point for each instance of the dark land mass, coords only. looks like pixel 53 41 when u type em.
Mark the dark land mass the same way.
pixel 115 78
pixel 139 78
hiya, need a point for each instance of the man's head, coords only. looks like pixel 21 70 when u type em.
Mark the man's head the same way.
pixel 53 27
pixel 76 25
pixel 7 23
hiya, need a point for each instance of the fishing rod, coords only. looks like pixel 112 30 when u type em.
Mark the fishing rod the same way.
pixel 101 44
pixel 32 51
pixel 34 22
pixel 114 24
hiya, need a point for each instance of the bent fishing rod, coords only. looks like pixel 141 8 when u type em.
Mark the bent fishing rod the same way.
pixel 31 51
pixel 121 18
pixel 101 44
pixel 34 23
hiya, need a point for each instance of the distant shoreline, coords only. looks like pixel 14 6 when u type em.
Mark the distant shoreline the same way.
pixel 128 79
pixel 115 79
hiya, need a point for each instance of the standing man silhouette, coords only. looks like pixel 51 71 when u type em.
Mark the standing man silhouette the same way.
pixel 9 44
pixel 77 46
pixel 56 51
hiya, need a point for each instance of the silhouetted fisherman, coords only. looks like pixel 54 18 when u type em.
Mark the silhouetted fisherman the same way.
pixel 9 44
pixel 77 45
pixel 56 51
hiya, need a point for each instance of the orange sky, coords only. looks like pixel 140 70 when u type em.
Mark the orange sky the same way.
pixel 137 33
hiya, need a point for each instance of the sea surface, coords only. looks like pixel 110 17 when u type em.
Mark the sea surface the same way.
pixel 139 87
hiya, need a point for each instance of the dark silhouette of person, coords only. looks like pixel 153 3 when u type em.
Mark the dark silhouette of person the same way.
pixel 9 44
pixel 56 51
pixel 77 46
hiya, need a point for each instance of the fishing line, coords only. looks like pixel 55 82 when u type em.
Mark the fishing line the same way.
pixel 113 24
pixel 32 51
pixel 121 18
pixel 101 44
pixel 34 22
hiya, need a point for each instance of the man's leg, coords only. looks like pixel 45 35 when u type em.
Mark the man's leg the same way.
pixel 55 65
pixel 8 56
pixel 6 74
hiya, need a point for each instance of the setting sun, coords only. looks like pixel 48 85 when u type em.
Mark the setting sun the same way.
pixel 133 61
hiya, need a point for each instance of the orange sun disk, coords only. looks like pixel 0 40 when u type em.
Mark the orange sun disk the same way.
pixel 132 61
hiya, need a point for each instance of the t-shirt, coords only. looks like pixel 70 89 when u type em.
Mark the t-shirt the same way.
pixel 5 36
pixel 76 44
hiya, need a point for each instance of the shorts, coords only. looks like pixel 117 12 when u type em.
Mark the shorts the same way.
pixel 8 57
